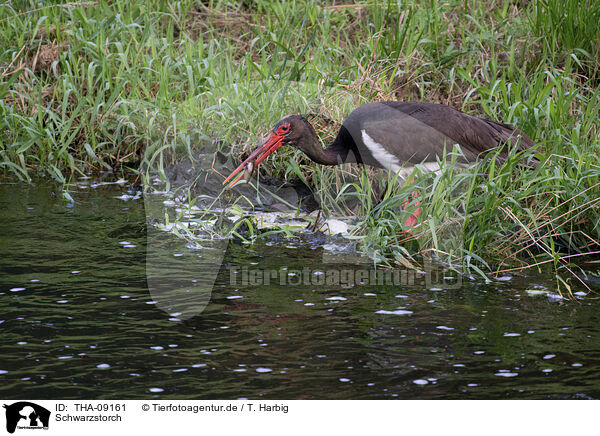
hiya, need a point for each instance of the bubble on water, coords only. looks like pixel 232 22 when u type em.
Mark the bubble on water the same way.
pixel 506 373
pixel 394 312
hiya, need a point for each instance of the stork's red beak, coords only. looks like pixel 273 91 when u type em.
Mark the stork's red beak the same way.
pixel 272 143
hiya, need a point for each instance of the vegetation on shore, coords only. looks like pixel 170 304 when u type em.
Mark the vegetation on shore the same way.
pixel 94 85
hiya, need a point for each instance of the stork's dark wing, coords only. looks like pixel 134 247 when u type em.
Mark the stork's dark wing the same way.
pixel 417 132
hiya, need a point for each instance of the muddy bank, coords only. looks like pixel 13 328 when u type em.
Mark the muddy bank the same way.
pixel 203 178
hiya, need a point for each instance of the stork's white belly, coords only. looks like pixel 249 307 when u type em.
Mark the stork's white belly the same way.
pixel 381 155
pixel 391 162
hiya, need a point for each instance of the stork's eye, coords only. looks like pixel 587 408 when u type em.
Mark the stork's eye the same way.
pixel 283 129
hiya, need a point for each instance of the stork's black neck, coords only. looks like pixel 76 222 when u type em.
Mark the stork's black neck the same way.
pixel 342 150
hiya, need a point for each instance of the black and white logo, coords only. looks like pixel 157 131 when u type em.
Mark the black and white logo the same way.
pixel 26 415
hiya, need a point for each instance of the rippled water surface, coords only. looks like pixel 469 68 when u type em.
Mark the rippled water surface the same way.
pixel 94 306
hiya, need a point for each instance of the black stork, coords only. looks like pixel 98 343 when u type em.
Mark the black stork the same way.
pixel 390 135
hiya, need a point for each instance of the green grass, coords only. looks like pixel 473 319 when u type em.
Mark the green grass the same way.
pixel 90 87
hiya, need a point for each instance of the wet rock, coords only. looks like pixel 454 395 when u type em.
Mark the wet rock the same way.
pixel 204 174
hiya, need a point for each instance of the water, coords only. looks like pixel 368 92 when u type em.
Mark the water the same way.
pixel 87 311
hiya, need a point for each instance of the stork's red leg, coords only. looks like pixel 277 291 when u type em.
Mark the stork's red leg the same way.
pixel 411 221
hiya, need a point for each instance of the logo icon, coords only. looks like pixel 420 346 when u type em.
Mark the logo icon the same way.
pixel 26 415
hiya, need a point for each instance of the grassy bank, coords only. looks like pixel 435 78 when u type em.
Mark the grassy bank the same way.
pixel 90 86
